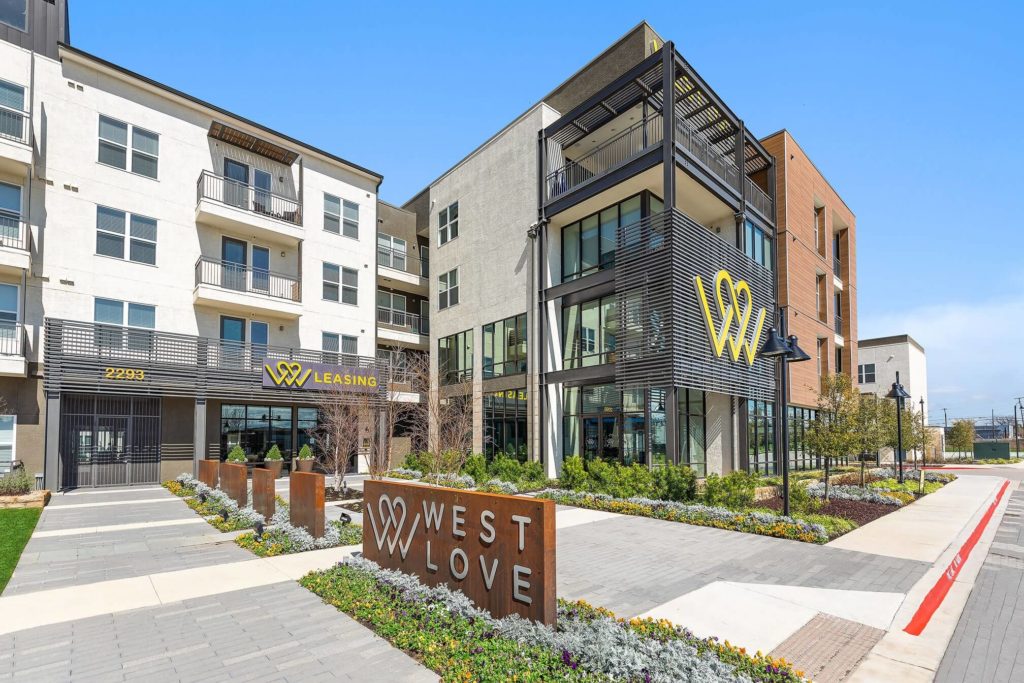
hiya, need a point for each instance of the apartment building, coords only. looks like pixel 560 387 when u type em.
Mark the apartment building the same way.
pixel 881 358
pixel 817 281
pixel 174 279
pixel 602 272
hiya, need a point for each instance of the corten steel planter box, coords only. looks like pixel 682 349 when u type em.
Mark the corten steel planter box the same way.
pixel 208 472
pixel 306 502
pixel 32 499
pixel 274 466
pixel 304 465
pixel 234 481
pixel 263 492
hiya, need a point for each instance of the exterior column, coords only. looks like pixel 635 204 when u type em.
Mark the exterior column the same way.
pixel 198 435
pixel 51 457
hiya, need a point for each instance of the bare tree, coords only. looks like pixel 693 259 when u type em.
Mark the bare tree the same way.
pixel 339 430
pixel 442 423
pixel 388 413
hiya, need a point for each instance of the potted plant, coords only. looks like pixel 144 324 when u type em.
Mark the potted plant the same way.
pixel 304 461
pixel 236 455
pixel 273 460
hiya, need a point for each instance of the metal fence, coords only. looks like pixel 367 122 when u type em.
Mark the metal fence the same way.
pixel 607 156
pixel 407 322
pixel 700 148
pixel 242 278
pixel 14 124
pixel 838 324
pixel 248 198
pixel 757 198
pixel 12 339
pixel 398 259
pixel 14 233
pixel 836 267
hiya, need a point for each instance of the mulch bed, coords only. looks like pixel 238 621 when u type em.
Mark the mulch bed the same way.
pixel 859 511
pixel 351 494
pixel 352 507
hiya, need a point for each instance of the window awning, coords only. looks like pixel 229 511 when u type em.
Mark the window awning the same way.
pixel 256 145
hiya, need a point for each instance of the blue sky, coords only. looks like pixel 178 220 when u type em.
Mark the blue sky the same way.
pixel 911 109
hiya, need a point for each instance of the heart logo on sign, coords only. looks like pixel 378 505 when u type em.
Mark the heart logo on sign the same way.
pixel 740 342
pixel 391 522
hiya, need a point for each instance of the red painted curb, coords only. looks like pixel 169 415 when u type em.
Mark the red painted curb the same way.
pixel 938 592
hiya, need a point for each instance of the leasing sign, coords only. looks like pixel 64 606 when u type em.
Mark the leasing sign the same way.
pixel 292 374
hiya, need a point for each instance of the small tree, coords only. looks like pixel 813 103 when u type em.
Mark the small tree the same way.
pixel 961 436
pixel 870 426
pixel 914 433
pixel 388 413
pixel 833 432
pixel 442 424
pixel 338 432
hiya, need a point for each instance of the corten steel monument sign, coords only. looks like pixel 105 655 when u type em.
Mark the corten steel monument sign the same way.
pixel 498 550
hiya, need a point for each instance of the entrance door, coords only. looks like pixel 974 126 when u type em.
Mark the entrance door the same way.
pixel 261 191
pixel 236 183
pixel 10 212
pixel 232 341
pixel 233 263
pixel 259 337
pixel 109 440
pixel 601 437
pixel 261 269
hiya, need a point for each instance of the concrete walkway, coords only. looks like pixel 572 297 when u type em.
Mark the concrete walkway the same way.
pixel 126 585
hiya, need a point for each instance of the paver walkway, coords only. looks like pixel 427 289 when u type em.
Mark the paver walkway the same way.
pixel 161 598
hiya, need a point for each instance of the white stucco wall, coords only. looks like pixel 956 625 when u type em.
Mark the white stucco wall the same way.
pixel 903 357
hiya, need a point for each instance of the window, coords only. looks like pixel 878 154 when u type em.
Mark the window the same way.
pixel 757 245
pixel 8 425
pixel 448 289
pixel 838 311
pixel 505 420
pixel 12 109
pixel 692 430
pixel 391 252
pixel 343 281
pixel 14 13
pixel 505 347
pixel 256 428
pixel 839 359
pixel 391 309
pixel 819 293
pixel 132 315
pixel 866 373
pixel 455 358
pixel 819 229
pixel 589 245
pixel 110 235
pixel 10 210
pixel 114 149
pixel 761 437
pixel 448 223
pixel 340 343
pixel 332 214
pixel 341 217
pixel 800 456
pixel 350 219
pixel 589 333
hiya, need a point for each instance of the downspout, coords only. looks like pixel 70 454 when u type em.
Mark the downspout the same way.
pixel 536 234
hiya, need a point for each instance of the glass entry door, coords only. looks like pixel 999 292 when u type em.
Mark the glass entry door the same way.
pixel 236 184
pixel 261 191
pixel 601 437
pixel 261 269
pixel 233 263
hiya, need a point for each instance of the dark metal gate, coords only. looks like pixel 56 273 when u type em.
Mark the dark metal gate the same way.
pixel 109 440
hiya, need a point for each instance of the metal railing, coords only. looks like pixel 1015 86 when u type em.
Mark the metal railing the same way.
pixel 455 376
pixel 836 267
pixel 758 198
pixel 838 324
pixel 242 278
pixel 608 155
pixel 12 339
pixel 397 259
pixel 407 322
pixel 14 233
pixel 699 147
pixel 248 198
pixel 14 124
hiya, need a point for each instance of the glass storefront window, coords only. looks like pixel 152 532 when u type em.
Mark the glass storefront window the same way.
pixel 588 246
pixel 658 427
pixel 505 428
pixel 505 347
pixel 256 428
pixel 691 419
pixel 590 333
pixel 761 437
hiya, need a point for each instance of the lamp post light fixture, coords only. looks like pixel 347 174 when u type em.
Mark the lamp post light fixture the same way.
pixel 900 394
pixel 786 350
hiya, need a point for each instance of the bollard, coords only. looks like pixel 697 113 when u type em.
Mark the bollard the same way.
pixel 920 487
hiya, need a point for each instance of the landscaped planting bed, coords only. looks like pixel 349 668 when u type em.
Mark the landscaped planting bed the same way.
pixel 16 527
pixel 749 521
pixel 447 633
pixel 857 512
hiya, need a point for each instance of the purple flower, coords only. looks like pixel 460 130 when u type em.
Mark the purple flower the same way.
pixel 647 677
pixel 568 661
pixel 477 650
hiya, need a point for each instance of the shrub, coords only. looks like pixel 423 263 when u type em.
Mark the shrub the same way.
pixel 16 483
pixel 283 538
pixel 574 474
pixel 629 482
pixel 273 454
pixel 499 486
pixel 402 473
pixel 236 455
pixel 305 453
pixel 801 501
pixel 864 495
pixel 533 472
pixel 416 461
pixel 505 468
pixel 476 467
pixel 735 490
pixel 452 481
pixel 675 482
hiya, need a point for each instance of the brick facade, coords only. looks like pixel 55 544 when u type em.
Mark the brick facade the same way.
pixel 805 197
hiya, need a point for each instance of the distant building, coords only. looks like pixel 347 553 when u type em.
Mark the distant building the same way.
pixel 881 358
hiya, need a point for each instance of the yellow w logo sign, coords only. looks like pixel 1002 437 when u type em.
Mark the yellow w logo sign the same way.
pixel 729 311
pixel 288 374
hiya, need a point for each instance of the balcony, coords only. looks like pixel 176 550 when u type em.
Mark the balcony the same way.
pixel 838 325
pixel 240 288
pixel 80 354
pixel 230 205
pixel 13 343
pixel 399 270
pixel 407 329
pixel 836 268
pixel 15 244
pixel 757 198
pixel 705 153
pixel 15 140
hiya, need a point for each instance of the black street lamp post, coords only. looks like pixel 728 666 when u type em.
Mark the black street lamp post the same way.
pixel 787 351
pixel 900 394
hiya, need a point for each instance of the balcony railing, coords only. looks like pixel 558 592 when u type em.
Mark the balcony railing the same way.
pixel 388 257
pixel 14 233
pixel 400 320
pixel 838 323
pixel 248 198
pixel 758 199
pixel 699 147
pixel 609 155
pixel 242 278
pixel 455 376
pixel 836 268
pixel 12 339
pixel 14 124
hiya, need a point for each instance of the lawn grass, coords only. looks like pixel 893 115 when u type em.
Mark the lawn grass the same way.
pixel 17 525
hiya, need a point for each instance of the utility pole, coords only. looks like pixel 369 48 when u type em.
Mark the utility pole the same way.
pixel 924 434
pixel 945 430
